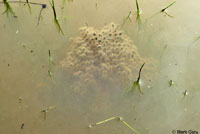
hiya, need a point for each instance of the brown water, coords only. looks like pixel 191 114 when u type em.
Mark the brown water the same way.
pixel 24 70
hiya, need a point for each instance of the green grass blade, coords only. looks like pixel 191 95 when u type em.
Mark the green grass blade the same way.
pixel 29 6
pixel 163 10
pixel 55 16
pixel 139 20
pixel 104 121
pixel 136 84
pixel 8 8
pixel 125 19
pixel 130 127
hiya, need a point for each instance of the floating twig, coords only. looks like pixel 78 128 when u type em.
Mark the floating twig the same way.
pixel 104 121
pixel 129 126
pixel 55 16
pixel 113 118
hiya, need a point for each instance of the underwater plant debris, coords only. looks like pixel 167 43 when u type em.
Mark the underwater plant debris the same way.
pixel 136 84
pixel 46 110
pixel 104 121
pixel 55 16
pixel 49 73
pixel 171 83
pixel 163 11
pixel 185 93
pixel 113 118
pixel 125 19
pixel 138 14
pixel 20 99
pixel 8 8
pixel 40 14
pixel 29 6
pixel 22 126
pixel 50 58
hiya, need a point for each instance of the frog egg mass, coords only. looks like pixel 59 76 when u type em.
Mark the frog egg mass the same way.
pixel 102 56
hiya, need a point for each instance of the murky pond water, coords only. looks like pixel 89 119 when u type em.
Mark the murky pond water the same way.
pixel 65 83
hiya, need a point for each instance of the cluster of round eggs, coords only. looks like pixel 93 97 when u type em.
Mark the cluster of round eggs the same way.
pixel 102 56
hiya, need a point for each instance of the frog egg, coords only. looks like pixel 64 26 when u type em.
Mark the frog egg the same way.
pixel 120 33
pixel 100 35
pixel 99 46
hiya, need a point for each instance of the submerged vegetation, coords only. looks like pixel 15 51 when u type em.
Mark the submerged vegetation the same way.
pixel 95 55
pixel 29 6
pixel 20 99
pixel 40 14
pixel 50 59
pixel 185 93
pixel 138 14
pixel 125 19
pixel 46 110
pixel 113 118
pixel 163 11
pixel 8 8
pixel 171 83
pixel 55 16
pixel 136 84
pixel 138 18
